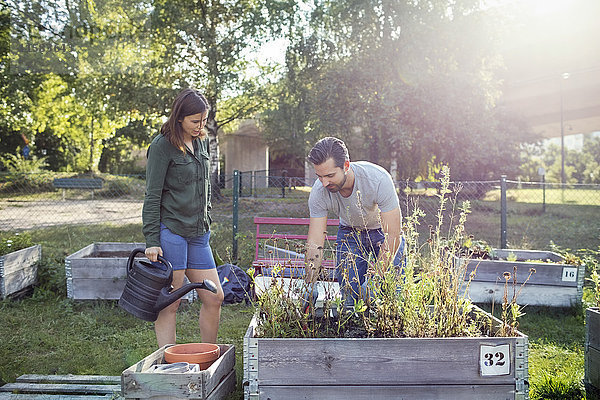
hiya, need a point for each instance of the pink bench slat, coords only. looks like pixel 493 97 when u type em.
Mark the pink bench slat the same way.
pixel 286 236
pixel 294 263
pixel 290 221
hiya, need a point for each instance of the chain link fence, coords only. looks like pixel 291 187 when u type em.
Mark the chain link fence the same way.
pixel 532 215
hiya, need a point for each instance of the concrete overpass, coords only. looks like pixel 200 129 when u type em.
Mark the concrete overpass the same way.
pixel 554 58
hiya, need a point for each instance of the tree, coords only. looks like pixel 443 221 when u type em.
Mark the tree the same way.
pixel 209 41
pixel 403 83
pixel 89 68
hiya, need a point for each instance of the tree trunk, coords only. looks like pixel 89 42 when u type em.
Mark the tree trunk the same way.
pixel 394 165
pixel 213 145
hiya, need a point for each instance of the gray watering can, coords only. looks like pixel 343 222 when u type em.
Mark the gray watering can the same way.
pixel 148 288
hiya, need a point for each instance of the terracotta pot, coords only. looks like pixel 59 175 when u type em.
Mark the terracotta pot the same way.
pixel 203 354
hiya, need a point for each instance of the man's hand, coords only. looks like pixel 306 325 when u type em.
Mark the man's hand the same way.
pixel 153 252
pixel 317 230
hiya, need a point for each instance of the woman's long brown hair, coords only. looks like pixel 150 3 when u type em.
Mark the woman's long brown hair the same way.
pixel 188 102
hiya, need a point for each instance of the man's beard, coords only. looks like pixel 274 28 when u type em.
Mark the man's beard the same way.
pixel 337 188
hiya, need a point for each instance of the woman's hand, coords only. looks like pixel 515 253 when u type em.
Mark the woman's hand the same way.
pixel 153 252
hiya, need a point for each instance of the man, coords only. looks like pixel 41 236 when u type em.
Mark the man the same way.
pixel 362 195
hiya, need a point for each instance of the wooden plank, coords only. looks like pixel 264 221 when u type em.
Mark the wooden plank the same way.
pixel 18 270
pixel 592 352
pixel 226 386
pixel 592 322
pixel 81 379
pixel 533 295
pixel 98 289
pixel 493 271
pixel 58 388
pixel 412 361
pixel 19 280
pixel 86 251
pixel 522 255
pixel 118 246
pixel 90 268
pixel 424 392
pixel 213 376
pixel 592 367
pixel 17 260
pixel 40 396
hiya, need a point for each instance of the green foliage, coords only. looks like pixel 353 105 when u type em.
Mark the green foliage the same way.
pixel 595 279
pixel 551 388
pixel 13 242
pixel 17 164
pixel 581 166
pixel 51 280
pixel 376 75
pixel 25 175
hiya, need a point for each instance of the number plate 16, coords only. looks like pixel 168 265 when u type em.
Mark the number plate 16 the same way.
pixel 494 360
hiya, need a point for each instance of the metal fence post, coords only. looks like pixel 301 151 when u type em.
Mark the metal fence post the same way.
pixel 544 193
pixel 503 241
pixel 236 198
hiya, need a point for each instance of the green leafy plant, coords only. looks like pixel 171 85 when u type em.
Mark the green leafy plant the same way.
pixel 18 164
pixel 568 256
pixel 552 388
pixel 595 279
pixel 14 242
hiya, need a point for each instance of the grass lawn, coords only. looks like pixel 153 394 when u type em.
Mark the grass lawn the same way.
pixel 45 333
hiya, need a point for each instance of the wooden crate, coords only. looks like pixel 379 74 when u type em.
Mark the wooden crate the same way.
pixel 93 273
pixel 214 383
pixel 18 270
pixel 407 368
pixel 592 353
pixel 62 387
pixel 553 284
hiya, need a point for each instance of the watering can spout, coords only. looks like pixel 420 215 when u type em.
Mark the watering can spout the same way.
pixel 166 297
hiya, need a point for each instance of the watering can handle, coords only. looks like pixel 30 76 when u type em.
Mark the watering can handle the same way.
pixel 143 251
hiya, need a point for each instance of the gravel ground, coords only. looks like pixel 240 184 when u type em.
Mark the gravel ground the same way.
pixel 21 215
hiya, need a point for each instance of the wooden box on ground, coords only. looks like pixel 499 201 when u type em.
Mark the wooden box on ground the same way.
pixel 592 353
pixel 18 270
pixel 553 284
pixel 99 271
pixel 214 383
pixel 391 368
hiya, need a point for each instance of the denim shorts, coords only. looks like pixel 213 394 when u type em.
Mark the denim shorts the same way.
pixel 184 253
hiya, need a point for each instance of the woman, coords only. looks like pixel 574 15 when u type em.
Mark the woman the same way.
pixel 176 211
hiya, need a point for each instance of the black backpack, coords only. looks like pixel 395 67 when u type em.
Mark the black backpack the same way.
pixel 235 283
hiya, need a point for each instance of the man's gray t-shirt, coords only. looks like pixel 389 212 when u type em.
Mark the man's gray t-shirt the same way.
pixel 373 191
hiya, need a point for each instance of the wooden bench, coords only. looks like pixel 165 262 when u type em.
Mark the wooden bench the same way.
pixel 291 261
pixel 77 183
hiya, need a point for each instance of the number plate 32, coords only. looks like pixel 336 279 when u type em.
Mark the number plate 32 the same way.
pixel 494 360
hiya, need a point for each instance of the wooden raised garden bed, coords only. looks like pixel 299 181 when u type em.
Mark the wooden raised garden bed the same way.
pixel 99 271
pixel 554 283
pixel 592 353
pixel 18 270
pixel 373 368
pixel 216 382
